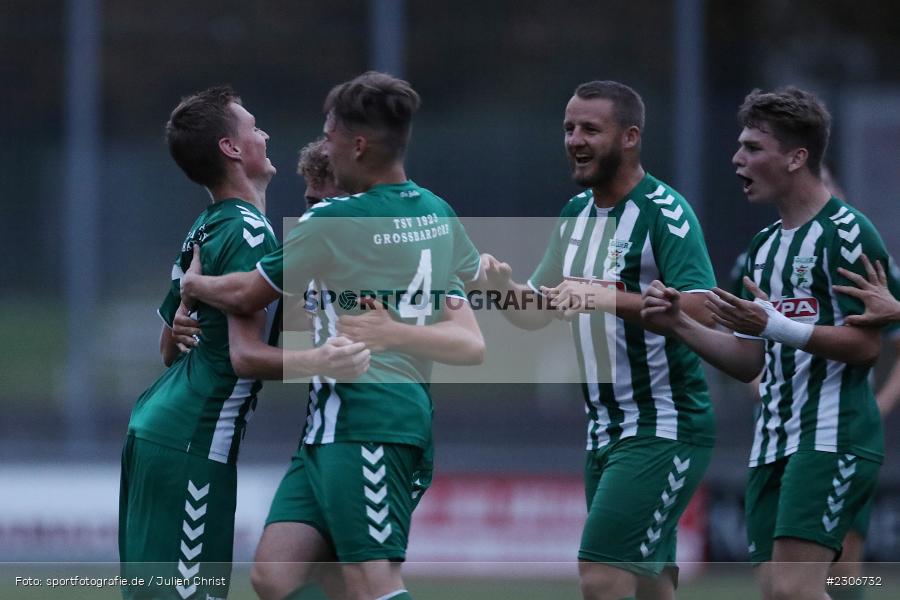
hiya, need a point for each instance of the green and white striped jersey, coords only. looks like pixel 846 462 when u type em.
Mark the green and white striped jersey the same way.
pixel 658 387
pixel 809 402
pixel 199 405
pixel 401 245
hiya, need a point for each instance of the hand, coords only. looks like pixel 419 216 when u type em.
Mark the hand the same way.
pixel 494 273
pixel 881 306
pixel 573 297
pixel 737 314
pixel 375 328
pixel 662 307
pixel 341 359
pixel 185 332
pixel 187 280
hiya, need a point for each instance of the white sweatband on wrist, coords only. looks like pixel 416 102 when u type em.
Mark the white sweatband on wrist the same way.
pixel 781 329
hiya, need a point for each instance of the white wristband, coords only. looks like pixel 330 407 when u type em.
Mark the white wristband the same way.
pixel 781 329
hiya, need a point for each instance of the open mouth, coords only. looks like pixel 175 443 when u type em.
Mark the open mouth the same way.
pixel 747 183
pixel 582 159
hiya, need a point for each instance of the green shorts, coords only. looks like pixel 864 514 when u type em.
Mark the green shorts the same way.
pixel 176 522
pixel 861 521
pixel 808 495
pixel 636 490
pixel 359 496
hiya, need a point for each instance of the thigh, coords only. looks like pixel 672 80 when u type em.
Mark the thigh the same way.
pixel 289 556
pixel 821 494
pixel 368 491
pixel 761 509
pixel 641 490
pixel 295 499
pixel 179 522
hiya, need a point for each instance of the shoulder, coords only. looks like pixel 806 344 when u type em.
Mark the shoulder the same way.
pixel 657 197
pixel 576 204
pixel 341 206
pixel 851 231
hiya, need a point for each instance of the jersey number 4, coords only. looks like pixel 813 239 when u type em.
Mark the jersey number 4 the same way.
pixel 418 289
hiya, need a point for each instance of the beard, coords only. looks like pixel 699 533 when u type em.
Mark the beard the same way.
pixel 606 168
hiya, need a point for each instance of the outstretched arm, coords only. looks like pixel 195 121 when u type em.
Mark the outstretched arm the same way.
pixel 240 293
pixel 739 357
pixel 844 343
pixel 572 297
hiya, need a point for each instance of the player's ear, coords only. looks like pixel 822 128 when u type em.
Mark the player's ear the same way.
pixel 228 148
pixel 631 137
pixel 360 145
pixel 797 158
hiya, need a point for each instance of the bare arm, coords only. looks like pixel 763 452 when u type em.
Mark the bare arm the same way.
pixel 252 358
pixel 741 358
pixel 455 340
pixel 844 343
pixel 241 293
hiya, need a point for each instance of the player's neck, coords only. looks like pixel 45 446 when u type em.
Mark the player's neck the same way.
pixel 609 194
pixel 245 189
pixel 388 176
pixel 803 202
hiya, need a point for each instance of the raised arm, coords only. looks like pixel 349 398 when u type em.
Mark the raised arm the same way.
pixel 240 293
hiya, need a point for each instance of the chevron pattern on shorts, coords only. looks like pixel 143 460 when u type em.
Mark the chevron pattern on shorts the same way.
pixel 375 490
pixel 840 484
pixel 195 506
pixel 667 499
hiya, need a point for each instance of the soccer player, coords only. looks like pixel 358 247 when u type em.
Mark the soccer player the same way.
pixel 178 486
pixel 818 443
pixel 316 172
pixel 650 411
pixel 357 476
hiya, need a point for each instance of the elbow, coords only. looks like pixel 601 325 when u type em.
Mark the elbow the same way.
pixel 867 358
pixel 476 352
pixel 241 364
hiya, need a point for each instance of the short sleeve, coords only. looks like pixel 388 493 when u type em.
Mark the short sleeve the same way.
pixel 466 259
pixel 852 238
pixel 549 271
pixel 680 250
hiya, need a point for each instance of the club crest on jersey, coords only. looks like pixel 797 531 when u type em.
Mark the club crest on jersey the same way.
pixel 805 310
pixel 615 257
pixel 801 273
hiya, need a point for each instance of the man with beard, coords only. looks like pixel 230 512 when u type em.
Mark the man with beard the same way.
pixel 647 401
